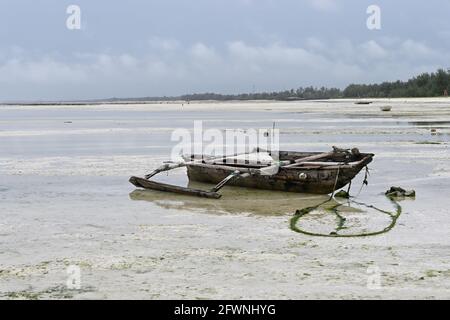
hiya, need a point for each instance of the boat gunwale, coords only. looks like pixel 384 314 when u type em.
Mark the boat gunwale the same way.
pixel 366 158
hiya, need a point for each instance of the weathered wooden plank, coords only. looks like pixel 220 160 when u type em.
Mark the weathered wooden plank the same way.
pixel 223 167
pixel 148 184
pixel 315 157
pixel 310 158
pixel 325 163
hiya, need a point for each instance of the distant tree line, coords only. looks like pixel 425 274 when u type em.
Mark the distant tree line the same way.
pixel 293 94
pixel 424 85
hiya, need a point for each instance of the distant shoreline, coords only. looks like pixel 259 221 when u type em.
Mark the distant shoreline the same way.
pixel 102 102
pixel 183 102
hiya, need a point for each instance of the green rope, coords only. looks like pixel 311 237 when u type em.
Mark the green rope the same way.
pixel 341 220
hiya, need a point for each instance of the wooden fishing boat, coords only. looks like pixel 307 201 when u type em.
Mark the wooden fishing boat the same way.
pixel 304 172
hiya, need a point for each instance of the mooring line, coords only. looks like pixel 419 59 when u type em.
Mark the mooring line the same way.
pixel 303 212
pixel 341 220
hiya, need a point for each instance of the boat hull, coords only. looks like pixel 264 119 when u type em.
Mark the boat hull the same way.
pixel 320 180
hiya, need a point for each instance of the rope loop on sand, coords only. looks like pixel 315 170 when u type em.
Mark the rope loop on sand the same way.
pixel 299 214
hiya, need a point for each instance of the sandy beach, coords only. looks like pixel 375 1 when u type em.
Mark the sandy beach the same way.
pixel 65 200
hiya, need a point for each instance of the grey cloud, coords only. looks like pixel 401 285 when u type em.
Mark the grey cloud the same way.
pixel 177 69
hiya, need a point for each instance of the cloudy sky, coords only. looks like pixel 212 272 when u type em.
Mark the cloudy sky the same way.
pixel 152 48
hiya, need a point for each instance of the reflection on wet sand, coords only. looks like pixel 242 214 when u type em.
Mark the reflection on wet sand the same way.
pixel 235 200
pixel 342 214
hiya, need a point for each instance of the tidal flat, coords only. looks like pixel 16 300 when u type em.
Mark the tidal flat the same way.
pixel 65 201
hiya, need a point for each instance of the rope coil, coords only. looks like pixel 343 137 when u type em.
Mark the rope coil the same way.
pixel 341 220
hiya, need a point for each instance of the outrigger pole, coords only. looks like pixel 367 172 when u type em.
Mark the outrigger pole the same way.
pixel 242 173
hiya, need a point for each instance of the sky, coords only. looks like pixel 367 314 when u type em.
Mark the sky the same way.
pixel 138 48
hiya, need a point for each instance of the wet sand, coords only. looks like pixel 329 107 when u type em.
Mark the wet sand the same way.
pixel 65 200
